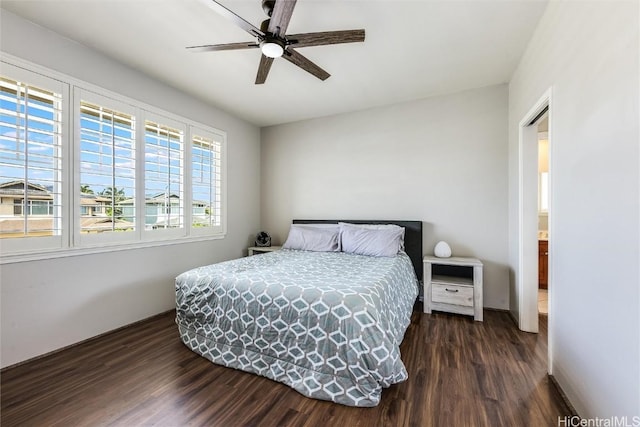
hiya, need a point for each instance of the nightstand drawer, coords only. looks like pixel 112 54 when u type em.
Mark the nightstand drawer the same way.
pixel 452 294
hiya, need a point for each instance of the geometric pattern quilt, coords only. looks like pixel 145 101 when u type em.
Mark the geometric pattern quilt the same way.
pixel 327 324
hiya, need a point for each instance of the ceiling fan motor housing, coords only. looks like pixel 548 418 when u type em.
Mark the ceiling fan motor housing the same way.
pixel 264 27
pixel 267 6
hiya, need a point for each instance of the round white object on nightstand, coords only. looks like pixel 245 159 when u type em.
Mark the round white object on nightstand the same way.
pixel 442 250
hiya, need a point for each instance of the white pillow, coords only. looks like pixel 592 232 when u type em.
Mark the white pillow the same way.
pixel 377 241
pixel 307 237
pixel 380 227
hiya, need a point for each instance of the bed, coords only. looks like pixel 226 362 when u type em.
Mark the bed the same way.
pixel 327 324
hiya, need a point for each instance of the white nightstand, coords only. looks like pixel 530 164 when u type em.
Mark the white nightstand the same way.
pixel 254 250
pixel 453 285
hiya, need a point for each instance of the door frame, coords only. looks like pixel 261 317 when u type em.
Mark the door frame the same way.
pixel 527 274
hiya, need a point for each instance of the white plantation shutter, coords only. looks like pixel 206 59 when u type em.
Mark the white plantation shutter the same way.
pixel 31 201
pixel 163 174
pixel 107 169
pixel 206 180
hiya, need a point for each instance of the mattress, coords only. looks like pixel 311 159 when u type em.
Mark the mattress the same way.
pixel 327 324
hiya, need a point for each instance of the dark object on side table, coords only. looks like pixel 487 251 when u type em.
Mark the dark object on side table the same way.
pixel 263 239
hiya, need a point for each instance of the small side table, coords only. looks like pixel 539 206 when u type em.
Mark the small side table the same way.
pixel 254 250
pixel 453 285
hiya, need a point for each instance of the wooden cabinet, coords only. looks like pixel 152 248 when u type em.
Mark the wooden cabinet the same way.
pixel 543 263
pixel 453 285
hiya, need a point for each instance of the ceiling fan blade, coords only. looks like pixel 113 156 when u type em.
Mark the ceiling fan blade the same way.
pixel 263 69
pixel 249 28
pixel 280 17
pixel 325 37
pixel 304 63
pixel 227 46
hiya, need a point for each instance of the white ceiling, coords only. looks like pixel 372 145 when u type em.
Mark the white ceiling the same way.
pixel 413 49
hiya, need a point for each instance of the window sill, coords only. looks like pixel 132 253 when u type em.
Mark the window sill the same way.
pixel 72 252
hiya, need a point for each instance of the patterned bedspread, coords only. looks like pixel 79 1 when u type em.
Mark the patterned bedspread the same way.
pixel 328 324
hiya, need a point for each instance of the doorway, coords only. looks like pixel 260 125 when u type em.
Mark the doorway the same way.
pixel 543 216
pixel 529 218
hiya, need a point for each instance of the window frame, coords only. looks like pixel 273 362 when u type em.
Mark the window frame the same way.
pixel 162 233
pixel 70 242
pixel 31 244
pixel 97 239
pixel 193 131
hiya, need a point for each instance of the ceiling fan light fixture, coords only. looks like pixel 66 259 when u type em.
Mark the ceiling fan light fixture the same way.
pixel 271 49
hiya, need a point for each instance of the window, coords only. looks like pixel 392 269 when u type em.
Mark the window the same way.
pixel 30 159
pixel 127 174
pixel 206 179
pixel 34 207
pixel 40 207
pixel 163 175
pixel 17 207
pixel 107 168
pixel 543 172
pixel 543 192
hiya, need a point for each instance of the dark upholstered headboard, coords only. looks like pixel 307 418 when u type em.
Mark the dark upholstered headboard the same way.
pixel 412 236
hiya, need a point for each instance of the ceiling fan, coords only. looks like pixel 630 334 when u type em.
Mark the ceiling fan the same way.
pixel 275 43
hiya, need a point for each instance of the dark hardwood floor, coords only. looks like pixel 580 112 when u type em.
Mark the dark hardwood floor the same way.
pixel 462 373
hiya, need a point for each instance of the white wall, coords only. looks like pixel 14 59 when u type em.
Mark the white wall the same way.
pixel 440 160
pixel 588 53
pixel 53 303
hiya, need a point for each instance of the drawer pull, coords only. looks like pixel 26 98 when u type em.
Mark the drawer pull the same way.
pixel 451 290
